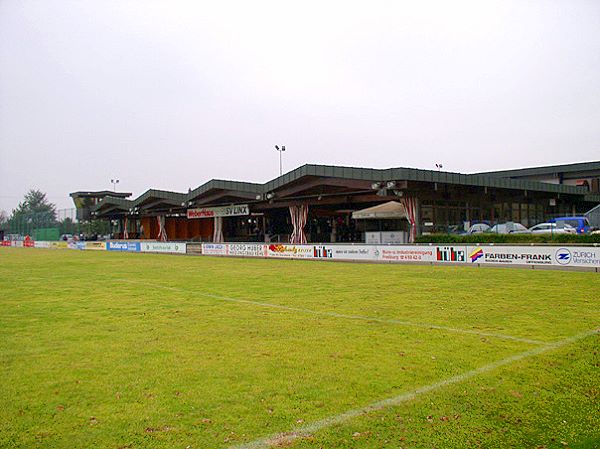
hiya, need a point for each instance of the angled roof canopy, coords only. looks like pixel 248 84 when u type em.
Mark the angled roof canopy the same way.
pixel 160 200
pixel 546 170
pixel 86 199
pixel 220 191
pixel 313 180
pixel 110 206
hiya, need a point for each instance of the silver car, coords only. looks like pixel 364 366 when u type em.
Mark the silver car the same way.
pixel 552 228
pixel 509 228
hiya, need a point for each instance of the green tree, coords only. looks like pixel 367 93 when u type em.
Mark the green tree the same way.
pixel 35 211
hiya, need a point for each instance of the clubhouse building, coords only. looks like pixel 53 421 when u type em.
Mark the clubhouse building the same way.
pixel 329 204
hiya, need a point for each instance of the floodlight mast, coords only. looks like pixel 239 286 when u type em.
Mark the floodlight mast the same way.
pixel 114 182
pixel 280 150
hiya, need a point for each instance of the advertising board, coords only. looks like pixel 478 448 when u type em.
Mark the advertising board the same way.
pixel 214 249
pixel 222 211
pixel 577 256
pixel 163 247
pixel 343 252
pixel 288 251
pixel 247 249
pixel 509 255
pixel 407 253
pixel 512 255
pixel 123 246
pixel 450 253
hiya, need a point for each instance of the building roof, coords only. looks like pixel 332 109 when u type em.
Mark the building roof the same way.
pixel 413 174
pixel 218 191
pixel 111 205
pixel 546 170
pixel 99 194
pixel 221 190
pixel 86 199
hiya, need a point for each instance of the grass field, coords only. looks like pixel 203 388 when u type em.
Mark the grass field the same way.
pixel 110 350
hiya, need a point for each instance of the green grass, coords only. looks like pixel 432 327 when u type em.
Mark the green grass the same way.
pixel 110 350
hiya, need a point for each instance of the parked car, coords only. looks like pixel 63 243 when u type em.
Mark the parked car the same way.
pixel 509 228
pixel 552 228
pixel 580 223
pixel 478 228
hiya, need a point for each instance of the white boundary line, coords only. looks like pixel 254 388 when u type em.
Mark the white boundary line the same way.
pixel 340 315
pixel 316 426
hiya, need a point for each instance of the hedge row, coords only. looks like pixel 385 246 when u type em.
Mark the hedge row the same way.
pixel 508 238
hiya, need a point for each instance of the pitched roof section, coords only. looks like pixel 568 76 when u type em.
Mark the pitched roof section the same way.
pixel 153 197
pixel 99 194
pixel 111 204
pixel 220 190
pixel 216 190
pixel 413 174
pixel 546 170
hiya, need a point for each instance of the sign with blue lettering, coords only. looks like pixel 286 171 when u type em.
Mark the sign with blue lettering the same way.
pixel 123 246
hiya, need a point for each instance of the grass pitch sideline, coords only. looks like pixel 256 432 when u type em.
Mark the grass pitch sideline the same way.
pixel 91 361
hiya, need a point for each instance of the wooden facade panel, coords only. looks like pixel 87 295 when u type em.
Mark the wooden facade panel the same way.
pixel 150 227
pixel 200 229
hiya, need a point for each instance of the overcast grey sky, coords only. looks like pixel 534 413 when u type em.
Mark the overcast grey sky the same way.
pixel 169 94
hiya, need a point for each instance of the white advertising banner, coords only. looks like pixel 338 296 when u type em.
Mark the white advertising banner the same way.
pixel 247 249
pixel 566 256
pixel 513 255
pixel 346 252
pixel 525 255
pixel 163 247
pixel 214 249
pixel 450 253
pixel 578 256
pixel 223 211
pixel 289 251
pixel 407 253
